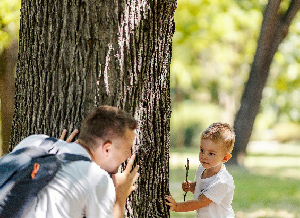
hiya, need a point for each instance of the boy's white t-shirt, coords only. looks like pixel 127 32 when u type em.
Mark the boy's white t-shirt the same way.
pixel 219 188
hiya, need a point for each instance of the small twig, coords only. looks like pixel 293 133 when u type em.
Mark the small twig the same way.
pixel 187 167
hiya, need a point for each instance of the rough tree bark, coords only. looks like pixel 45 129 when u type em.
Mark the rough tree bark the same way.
pixel 274 29
pixel 8 61
pixel 78 54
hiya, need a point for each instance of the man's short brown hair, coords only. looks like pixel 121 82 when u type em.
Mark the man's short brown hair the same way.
pixel 105 122
pixel 220 132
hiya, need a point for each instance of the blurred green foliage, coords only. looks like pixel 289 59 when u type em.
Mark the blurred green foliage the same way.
pixel 9 22
pixel 9 32
pixel 213 49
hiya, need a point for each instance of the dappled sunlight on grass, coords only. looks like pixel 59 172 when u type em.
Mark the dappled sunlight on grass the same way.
pixel 255 192
pixel 267 187
pixel 270 213
pixel 272 162
pixel 281 172
pixel 273 148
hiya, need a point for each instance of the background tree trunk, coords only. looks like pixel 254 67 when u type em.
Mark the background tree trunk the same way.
pixel 274 28
pixel 8 61
pixel 78 54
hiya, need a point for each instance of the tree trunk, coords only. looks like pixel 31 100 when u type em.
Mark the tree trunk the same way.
pixel 8 61
pixel 274 29
pixel 78 54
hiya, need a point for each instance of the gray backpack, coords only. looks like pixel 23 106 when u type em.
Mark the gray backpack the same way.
pixel 24 172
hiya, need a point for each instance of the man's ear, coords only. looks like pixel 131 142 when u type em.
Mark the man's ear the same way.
pixel 106 147
pixel 227 157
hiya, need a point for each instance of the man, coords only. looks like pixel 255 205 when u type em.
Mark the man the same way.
pixel 83 188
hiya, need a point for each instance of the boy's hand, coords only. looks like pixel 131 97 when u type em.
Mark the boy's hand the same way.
pixel 186 186
pixel 172 203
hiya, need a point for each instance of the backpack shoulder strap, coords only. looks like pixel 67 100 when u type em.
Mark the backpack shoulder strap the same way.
pixel 48 145
pixel 67 157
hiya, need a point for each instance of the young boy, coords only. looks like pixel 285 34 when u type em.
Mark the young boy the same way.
pixel 213 186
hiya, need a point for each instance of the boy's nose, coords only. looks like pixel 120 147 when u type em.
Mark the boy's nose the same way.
pixel 204 156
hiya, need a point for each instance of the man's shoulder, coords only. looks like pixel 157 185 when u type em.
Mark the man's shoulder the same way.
pixel 32 140
pixel 86 171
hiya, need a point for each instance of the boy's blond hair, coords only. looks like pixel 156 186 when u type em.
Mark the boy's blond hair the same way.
pixel 220 132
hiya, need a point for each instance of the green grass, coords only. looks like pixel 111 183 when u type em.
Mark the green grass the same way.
pixel 255 192
pixel 268 186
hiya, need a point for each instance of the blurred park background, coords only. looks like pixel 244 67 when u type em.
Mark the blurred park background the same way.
pixel 213 49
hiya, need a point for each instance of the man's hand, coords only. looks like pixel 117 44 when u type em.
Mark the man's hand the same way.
pixel 124 184
pixel 172 203
pixel 125 181
pixel 71 137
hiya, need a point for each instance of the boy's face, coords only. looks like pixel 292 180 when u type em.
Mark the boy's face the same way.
pixel 212 154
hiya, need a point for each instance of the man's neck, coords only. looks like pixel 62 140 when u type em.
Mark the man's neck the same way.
pixel 86 148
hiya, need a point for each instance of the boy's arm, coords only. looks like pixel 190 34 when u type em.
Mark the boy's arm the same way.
pixel 190 205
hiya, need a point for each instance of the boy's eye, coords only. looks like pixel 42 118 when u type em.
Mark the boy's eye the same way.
pixel 212 154
pixel 201 150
